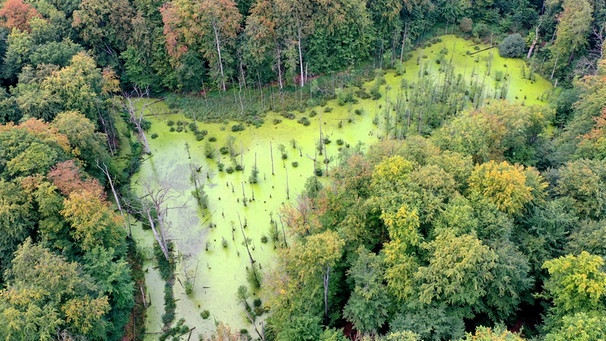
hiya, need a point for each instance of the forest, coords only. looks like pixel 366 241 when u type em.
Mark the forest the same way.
pixel 472 211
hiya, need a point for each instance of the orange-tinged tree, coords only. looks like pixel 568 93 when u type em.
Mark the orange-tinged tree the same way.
pixel 93 222
pixel 17 14
pixel 69 178
pixel 209 26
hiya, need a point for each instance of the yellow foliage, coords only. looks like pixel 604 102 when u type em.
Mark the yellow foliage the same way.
pixel 85 313
pixel 502 184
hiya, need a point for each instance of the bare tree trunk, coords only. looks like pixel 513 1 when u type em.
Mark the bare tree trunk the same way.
pixel 137 121
pixel 404 42
pixel 111 185
pixel 299 38
pixel 534 42
pixel 326 278
pixel 158 198
pixel 219 53
pixel 555 64
pixel 279 61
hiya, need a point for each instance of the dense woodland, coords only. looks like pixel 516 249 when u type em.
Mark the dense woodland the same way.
pixel 490 225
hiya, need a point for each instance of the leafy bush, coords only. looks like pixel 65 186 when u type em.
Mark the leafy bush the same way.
pixel 466 25
pixel 513 46
pixel 154 135
pixel 237 127
pixel 304 121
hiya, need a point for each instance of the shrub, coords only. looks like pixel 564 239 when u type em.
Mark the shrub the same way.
pixel 264 239
pixel 295 164
pixel 340 142
pixel 288 115
pixel 359 111
pixel 513 46
pixel 277 121
pixel 466 25
pixel 171 129
pixel 224 150
pixel 193 126
pixel 229 170
pixel 179 129
pixel 480 30
pixel 212 139
pixel 313 113
pixel 239 168
pixel 170 123
pixel 304 121
pixel 327 109
pixel 237 127
pixel 205 314
pixel 318 172
pixel 199 137
pixel 154 135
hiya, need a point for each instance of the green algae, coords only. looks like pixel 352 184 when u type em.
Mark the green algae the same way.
pixel 212 258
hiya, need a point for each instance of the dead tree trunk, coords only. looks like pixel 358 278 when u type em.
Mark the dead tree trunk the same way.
pixel 217 42
pixel 137 120
pixel 111 185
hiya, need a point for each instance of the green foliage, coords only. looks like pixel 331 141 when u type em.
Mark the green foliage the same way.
pixel 513 46
pixel 576 284
pixel 367 307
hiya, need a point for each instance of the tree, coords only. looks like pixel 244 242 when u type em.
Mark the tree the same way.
pixel 70 178
pixel 368 306
pixel 583 181
pixel 576 284
pixel 86 143
pixel 17 219
pixel 573 27
pixel 264 38
pixel 296 19
pixel 579 327
pixel 93 222
pixel 499 333
pixel 105 25
pixel 17 14
pixel 513 46
pixel 501 184
pixel 208 26
pixel 459 271
pixel 47 294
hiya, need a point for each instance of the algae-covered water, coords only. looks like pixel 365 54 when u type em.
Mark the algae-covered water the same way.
pixel 209 243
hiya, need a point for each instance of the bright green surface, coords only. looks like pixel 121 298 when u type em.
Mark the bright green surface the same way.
pixel 219 271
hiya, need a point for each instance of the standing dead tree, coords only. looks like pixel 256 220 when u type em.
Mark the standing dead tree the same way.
pixel 136 116
pixel 154 206
pixel 105 170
